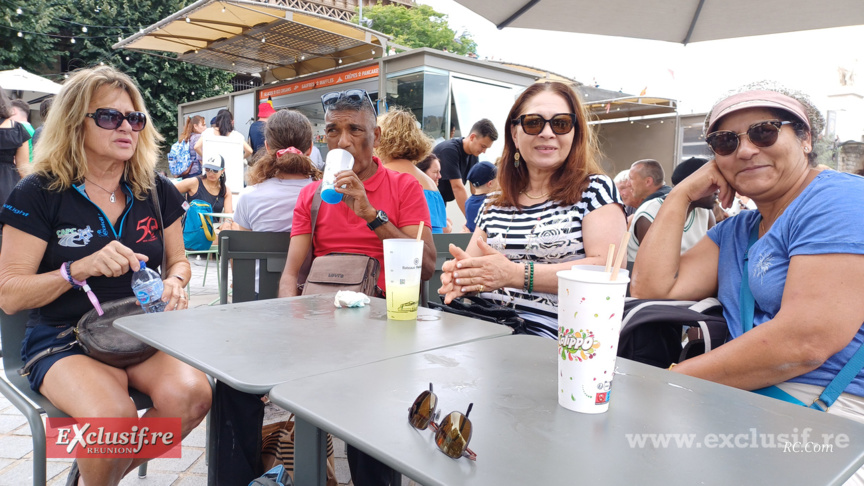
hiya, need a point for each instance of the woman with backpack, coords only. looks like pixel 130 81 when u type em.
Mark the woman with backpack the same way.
pixel 209 187
pixel 191 134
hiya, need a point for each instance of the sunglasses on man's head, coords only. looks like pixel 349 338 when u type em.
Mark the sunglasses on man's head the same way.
pixel 533 124
pixel 452 434
pixel 354 96
pixel 111 119
pixel 762 134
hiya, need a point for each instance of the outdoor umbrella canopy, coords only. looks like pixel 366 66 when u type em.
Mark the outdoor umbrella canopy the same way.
pixel 681 21
pixel 20 84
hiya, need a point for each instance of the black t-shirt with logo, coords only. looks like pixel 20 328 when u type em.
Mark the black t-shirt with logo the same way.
pixel 74 227
pixel 455 164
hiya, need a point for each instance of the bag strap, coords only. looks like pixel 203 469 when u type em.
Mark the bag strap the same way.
pixel 841 380
pixel 154 196
pixel 307 263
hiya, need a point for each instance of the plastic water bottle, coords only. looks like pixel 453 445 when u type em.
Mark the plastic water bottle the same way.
pixel 337 160
pixel 148 287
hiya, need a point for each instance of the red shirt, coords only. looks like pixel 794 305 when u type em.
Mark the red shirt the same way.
pixel 338 229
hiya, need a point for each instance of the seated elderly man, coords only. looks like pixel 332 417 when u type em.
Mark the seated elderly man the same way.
pixel 377 204
pixel 700 215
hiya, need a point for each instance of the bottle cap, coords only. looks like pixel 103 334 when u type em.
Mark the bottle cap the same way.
pixel 143 264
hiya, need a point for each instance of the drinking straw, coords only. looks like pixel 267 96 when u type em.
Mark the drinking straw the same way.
pixel 420 231
pixel 622 250
pixel 609 257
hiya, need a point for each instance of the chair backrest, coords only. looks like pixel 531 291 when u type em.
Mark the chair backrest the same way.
pixel 12 330
pixel 442 243
pixel 245 249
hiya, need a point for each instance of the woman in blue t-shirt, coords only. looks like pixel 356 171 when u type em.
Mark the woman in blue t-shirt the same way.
pixel 796 316
pixel 85 218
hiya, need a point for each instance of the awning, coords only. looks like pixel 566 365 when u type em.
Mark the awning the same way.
pixel 251 37
pixel 630 107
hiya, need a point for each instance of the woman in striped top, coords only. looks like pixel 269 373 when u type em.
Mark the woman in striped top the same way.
pixel 555 209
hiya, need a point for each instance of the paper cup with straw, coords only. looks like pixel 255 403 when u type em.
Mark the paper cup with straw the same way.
pixel 589 321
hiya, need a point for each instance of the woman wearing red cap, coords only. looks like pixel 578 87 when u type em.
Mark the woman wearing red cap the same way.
pixel 788 274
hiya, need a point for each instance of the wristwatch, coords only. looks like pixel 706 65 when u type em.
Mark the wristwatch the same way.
pixel 380 219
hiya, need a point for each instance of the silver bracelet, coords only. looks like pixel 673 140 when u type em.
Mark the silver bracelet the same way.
pixel 178 277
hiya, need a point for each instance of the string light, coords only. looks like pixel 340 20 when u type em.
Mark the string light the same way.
pixel 188 20
pixel 262 39
pixel 20 34
pixel 340 60
pixel 303 58
pixel 18 11
pixel 83 29
pixel 223 8
pixel 72 40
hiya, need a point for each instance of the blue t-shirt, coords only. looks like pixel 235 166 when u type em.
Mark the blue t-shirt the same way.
pixel 825 218
pixel 436 210
pixel 472 205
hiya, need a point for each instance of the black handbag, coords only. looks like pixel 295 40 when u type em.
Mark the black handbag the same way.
pixel 479 308
pixel 97 335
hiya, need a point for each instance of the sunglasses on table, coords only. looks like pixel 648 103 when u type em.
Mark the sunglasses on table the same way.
pixel 762 134
pixel 452 434
pixel 111 119
pixel 533 124
pixel 354 96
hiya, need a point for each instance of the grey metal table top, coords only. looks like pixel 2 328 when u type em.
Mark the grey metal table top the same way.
pixel 522 436
pixel 255 345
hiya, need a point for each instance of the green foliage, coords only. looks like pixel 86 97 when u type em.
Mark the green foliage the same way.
pixel 164 83
pixel 418 26
pixel 826 152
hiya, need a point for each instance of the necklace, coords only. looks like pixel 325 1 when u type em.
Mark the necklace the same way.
pixel 529 196
pixel 762 222
pixel 113 199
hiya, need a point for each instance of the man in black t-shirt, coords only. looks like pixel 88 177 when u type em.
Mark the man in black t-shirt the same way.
pixel 458 156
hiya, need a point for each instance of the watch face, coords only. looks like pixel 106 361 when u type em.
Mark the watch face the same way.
pixel 382 216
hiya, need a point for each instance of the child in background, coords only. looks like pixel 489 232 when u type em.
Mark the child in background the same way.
pixel 483 181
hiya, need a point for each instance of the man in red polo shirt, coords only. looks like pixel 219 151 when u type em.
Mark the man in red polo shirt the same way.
pixel 378 203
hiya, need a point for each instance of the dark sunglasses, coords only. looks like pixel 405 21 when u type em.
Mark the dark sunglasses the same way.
pixel 354 96
pixel 533 124
pixel 452 435
pixel 211 170
pixel 110 119
pixel 763 134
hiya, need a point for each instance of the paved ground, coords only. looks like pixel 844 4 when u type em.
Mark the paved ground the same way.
pixel 16 446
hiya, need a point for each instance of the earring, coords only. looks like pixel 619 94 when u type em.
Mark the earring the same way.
pixel 806 150
pixel 516 160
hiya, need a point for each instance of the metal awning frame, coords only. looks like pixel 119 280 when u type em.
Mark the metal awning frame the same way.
pixel 211 51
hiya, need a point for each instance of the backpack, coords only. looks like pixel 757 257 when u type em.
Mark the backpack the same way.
pixel 179 158
pixel 651 330
pixel 198 232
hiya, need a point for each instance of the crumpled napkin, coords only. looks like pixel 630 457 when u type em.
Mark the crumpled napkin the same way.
pixel 347 298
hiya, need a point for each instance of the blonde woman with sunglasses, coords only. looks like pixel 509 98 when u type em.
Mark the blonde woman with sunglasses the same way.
pixel 555 209
pixel 85 218
pixel 788 273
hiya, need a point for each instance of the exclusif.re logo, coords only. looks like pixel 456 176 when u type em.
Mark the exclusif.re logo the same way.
pixel 113 437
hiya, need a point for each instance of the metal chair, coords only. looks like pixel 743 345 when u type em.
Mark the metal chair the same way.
pixel 244 249
pixel 212 251
pixel 442 245
pixel 17 390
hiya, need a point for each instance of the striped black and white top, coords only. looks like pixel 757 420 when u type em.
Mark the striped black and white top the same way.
pixel 542 233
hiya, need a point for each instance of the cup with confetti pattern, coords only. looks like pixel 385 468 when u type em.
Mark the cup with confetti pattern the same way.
pixel 590 305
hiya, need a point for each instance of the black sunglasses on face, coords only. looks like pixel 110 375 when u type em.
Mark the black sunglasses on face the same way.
pixel 111 119
pixel 762 134
pixel 452 434
pixel 355 96
pixel 533 124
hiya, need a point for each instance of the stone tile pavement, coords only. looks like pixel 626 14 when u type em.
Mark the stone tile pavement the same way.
pixel 16 446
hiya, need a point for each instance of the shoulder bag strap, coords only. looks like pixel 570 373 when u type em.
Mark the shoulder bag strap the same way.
pixel 313 217
pixel 154 196
pixel 841 380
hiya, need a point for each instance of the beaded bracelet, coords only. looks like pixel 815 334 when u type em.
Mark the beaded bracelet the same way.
pixel 66 272
pixel 525 281
pixel 531 279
